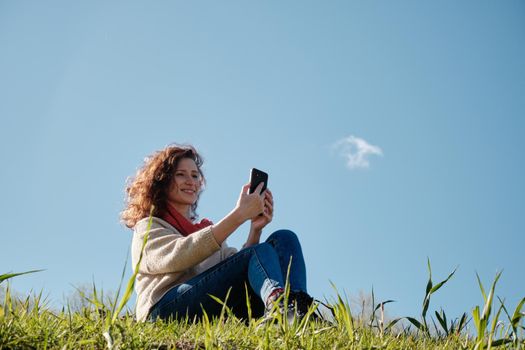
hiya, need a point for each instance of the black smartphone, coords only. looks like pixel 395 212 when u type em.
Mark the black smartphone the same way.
pixel 256 177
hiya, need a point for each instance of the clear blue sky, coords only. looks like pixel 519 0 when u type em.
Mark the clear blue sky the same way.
pixel 89 89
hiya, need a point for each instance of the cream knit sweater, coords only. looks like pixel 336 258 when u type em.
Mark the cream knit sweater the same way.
pixel 170 259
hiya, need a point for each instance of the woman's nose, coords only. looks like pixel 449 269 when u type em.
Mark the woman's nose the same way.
pixel 189 179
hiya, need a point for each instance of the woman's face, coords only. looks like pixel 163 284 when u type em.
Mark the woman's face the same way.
pixel 185 186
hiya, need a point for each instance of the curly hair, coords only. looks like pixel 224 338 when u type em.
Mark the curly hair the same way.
pixel 149 188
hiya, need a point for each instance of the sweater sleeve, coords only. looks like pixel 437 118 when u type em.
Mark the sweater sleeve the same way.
pixel 168 251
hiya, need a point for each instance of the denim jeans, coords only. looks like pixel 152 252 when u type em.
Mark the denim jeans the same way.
pixel 253 272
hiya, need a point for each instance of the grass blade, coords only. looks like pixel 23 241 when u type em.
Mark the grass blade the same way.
pixel 383 303
pixel 488 304
pixel 131 283
pixel 442 319
pixel 343 314
pixel 462 323
pixel 11 275
pixel 481 287
pixel 517 315
pixel 494 325
pixel 482 320
pixel 440 284
pixel 477 318
pixel 416 323
pixel 429 283
pixel 431 289
pixel 393 323
pixel 114 302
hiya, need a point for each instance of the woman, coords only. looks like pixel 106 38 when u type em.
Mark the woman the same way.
pixel 185 261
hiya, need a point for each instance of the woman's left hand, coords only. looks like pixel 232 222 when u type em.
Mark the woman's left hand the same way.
pixel 259 222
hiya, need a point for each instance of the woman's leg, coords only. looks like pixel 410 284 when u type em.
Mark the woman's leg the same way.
pixel 287 246
pixel 256 268
pixel 291 259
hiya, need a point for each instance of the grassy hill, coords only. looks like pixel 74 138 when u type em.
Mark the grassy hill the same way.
pixel 27 323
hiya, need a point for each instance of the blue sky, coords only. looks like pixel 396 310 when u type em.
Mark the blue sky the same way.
pixel 90 89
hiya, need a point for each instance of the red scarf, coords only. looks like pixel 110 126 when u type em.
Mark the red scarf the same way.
pixel 183 225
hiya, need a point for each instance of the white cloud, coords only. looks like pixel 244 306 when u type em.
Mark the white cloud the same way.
pixel 356 151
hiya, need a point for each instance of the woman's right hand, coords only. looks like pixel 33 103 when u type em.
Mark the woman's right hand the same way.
pixel 249 205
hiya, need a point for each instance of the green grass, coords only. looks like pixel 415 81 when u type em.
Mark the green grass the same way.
pixel 28 323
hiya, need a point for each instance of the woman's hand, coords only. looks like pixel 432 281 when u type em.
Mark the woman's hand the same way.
pixel 250 205
pixel 260 221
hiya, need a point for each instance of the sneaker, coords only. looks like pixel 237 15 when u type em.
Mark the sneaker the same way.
pixel 275 308
pixel 303 302
pixel 299 304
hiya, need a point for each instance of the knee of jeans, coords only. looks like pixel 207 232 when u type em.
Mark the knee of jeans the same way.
pixel 261 248
pixel 284 236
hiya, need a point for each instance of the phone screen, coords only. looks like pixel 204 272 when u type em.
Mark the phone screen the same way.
pixel 256 177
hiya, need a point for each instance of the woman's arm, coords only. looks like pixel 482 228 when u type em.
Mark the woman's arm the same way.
pixel 167 250
pixel 248 206
pixel 254 238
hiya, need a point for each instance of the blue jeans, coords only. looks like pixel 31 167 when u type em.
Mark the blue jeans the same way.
pixel 254 272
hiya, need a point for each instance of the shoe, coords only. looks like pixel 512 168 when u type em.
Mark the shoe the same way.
pixel 302 302
pixel 275 308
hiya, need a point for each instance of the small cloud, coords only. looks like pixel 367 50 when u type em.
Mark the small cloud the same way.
pixel 356 151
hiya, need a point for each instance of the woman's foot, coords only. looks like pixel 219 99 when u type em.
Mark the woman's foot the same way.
pixel 299 305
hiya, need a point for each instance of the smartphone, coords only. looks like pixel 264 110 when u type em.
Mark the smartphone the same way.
pixel 256 177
